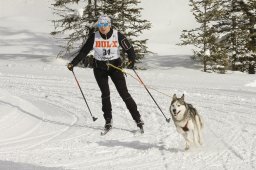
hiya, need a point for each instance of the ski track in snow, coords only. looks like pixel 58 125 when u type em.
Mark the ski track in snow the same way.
pixel 61 132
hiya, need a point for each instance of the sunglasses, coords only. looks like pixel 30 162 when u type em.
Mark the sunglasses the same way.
pixel 102 24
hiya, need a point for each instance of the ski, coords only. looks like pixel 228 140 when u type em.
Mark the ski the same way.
pixel 140 126
pixel 138 131
pixel 105 131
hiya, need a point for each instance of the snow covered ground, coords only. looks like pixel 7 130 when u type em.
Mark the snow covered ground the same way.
pixel 45 124
pixel 44 121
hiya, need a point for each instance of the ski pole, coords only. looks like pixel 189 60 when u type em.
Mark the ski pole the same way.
pixel 93 118
pixel 167 120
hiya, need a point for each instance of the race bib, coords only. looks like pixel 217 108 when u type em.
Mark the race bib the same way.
pixel 105 50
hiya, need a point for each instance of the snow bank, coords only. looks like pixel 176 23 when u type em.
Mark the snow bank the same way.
pixel 252 84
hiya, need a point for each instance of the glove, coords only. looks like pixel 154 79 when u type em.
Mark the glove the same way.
pixel 131 64
pixel 70 66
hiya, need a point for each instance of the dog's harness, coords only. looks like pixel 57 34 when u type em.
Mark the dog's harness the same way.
pixel 185 128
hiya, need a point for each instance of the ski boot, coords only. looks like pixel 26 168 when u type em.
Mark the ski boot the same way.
pixel 140 124
pixel 107 127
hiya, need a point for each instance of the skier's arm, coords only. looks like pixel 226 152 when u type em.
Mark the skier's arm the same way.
pixel 88 46
pixel 125 44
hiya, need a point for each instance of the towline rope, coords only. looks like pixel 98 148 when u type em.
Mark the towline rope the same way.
pixel 123 71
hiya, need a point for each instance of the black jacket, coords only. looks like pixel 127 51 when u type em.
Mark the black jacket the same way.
pixel 88 46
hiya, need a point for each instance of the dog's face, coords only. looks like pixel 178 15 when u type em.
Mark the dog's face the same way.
pixel 178 107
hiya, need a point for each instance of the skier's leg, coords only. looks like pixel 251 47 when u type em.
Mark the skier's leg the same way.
pixel 101 77
pixel 120 83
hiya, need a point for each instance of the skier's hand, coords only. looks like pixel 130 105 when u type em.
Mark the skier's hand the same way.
pixel 70 66
pixel 130 64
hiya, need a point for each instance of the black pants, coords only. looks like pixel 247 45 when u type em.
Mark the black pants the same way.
pixel 118 79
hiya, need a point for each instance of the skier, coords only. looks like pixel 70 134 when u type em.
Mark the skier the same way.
pixel 105 44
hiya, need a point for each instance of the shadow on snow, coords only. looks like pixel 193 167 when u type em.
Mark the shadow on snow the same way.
pixel 34 42
pixel 22 166
pixel 137 145
pixel 170 61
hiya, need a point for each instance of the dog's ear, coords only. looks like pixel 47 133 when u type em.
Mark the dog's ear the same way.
pixel 174 97
pixel 182 97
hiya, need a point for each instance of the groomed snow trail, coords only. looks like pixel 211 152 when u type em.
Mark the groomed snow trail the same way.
pixel 44 120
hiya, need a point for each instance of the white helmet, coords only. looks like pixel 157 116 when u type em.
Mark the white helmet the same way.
pixel 104 20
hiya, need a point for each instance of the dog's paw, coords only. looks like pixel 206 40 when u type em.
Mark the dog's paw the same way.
pixel 200 141
pixel 187 147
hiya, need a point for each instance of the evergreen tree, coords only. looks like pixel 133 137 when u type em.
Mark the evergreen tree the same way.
pixel 250 10
pixel 226 34
pixel 73 26
pixel 204 37
pixel 127 19
pixel 234 26
pixel 125 16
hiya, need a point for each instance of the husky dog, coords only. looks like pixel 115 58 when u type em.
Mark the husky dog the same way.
pixel 187 121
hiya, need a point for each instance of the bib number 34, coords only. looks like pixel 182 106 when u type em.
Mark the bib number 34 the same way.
pixel 106 52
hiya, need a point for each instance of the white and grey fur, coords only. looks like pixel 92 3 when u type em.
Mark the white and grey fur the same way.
pixel 187 121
